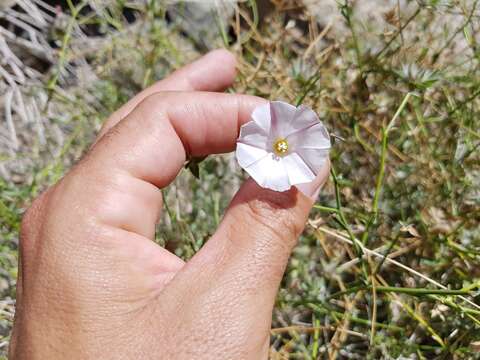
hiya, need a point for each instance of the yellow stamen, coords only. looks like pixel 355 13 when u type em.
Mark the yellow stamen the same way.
pixel 280 147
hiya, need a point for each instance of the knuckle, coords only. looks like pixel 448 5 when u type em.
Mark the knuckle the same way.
pixel 31 214
pixel 32 220
pixel 266 244
pixel 149 108
pixel 111 134
pixel 277 213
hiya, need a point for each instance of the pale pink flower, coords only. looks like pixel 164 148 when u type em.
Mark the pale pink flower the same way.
pixel 283 145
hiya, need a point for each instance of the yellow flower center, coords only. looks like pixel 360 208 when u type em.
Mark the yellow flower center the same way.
pixel 280 146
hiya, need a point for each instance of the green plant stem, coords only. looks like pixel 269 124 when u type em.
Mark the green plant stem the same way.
pixel 381 173
pixel 325 208
pixel 402 290
pixel 310 84
pixel 398 32
pixel 342 219
pixel 75 11
pixel 383 155
pixel 319 309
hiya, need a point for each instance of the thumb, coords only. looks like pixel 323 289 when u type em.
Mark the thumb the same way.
pixel 233 280
pixel 258 233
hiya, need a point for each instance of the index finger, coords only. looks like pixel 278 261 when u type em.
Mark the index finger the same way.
pixel 154 140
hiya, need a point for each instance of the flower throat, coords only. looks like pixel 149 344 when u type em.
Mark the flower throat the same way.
pixel 280 147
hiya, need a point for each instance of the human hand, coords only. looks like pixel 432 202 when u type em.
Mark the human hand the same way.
pixel 92 283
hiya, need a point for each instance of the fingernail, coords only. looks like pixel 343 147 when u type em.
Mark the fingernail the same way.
pixel 312 189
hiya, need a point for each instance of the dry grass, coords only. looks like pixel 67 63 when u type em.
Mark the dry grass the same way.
pixel 388 266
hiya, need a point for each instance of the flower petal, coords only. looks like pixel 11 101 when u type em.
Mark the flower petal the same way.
pixel 282 115
pixel 313 137
pixel 313 158
pixel 304 118
pixel 308 145
pixel 269 172
pixel 252 134
pixel 261 116
pixel 298 172
pixel 247 154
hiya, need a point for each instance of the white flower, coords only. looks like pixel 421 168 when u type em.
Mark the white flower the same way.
pixel 282 145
